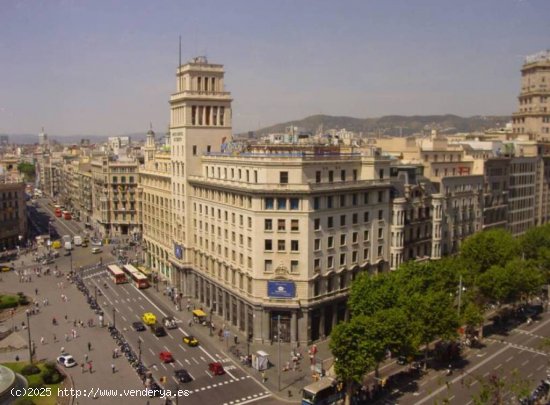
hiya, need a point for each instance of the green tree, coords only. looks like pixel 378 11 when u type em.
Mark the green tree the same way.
pixel 370 294
pixel 27 169
pixel 353 353
pixel 494 247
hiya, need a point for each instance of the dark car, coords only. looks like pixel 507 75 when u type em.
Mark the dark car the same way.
pixel 138 326
pixel 158 330
pixel 183 376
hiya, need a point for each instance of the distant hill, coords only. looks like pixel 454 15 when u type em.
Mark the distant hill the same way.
pixel 392 124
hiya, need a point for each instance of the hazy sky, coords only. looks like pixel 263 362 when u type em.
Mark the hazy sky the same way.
pixel 108 67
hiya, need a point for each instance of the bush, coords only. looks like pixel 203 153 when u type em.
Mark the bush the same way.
pixel 30 369
pixel 23 300
pixel 24 401
pixel 50 365
pixel 51 376
pixel 8 301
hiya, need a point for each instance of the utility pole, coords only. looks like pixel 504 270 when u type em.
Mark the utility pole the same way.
pixel 29 332
pixel 279 352
pixel 114 318
pixel 139 349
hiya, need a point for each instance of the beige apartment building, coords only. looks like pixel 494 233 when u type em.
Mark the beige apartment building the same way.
pixel 156 209
pixel 269 233
pixel 115 197
pixel 533 115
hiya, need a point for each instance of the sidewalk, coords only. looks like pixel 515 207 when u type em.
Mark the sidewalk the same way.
pixel 291 381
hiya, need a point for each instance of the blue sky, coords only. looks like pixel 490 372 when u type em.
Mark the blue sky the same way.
pixel 107 67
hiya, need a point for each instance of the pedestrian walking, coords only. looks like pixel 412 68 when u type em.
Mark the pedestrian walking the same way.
pixel 42 340
pixel 89 346
pixel 36 291
pixel 82 368
pixel 264 379
pixel 90 367
pixel 66 337
pixel 86 357
pixel 113 368
pixel 54 338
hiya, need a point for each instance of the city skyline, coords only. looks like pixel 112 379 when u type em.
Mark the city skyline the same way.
pixel 107 69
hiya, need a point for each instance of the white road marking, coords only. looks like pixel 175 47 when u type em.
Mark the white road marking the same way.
pixel 123 317
pixel 255 399
pixel 187 361
pixel 152 352
pixel 524 363
pixel 182 348
pixel 539 367
pixel 180 363
pixel 497 367
pixel 181 330
pixel 195 360
pixel 208 374
pixel 509 358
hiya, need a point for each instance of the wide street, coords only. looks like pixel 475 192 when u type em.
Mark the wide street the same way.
pixel 236 386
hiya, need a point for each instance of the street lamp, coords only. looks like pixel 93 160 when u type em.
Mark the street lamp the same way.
pixel 29 332
pixel 211 310
pixel 139 349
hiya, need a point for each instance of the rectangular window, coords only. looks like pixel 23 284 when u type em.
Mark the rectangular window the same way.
pixel 342 201
pixel 194 150
pixel 366 254
pixel 281 224
pixel 380 233
pixel 268 245
pixel 330 222
pixel 317 177
pixel 380 214
pixel 366 216
pixel 317 244
pixel 294 266
pixel 354 256
pixel 355 218
pixel 343 239
pixel 268 203
pixel 294 203
pixel 355 237
pixel 283 177
pixel 268 266
pixel 354 174
pixel 317 224
pixel 281 245
pixel 342 259
pixel 329 202
pixel 380 251
pixel 330 176
pixel 365 198
pixel 366 236
pixel 330 262
pixel 343 175
pixel 294 225
pixel 317 265
pixel 316 203
pixel 380 196
pixel 354 199
pixel 342 220
pixel 281 203
pixel 330 242
pixel 294 245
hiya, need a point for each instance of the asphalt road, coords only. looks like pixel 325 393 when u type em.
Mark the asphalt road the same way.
pixel 237 386
pixel 515 357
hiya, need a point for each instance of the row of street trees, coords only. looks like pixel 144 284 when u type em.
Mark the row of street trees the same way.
pixel 403 310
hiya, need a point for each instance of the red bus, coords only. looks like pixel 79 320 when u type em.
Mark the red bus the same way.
pixel 139 279
pixel 58 212
pixel 67 215
pixel 116 274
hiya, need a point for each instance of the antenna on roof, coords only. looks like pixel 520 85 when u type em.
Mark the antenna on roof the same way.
pixel 180 53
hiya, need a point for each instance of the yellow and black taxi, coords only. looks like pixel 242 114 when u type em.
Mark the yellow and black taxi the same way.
pixel 149 318
pixel 190 341
pixel 7 268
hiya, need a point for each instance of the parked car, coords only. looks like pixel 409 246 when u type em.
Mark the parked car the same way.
pixel 47 261
pixel 216 368
pixel 138 326
pixel 190 341
pixel 96 242
pixel 66 360
pixel 7 268
pixel 183 375
pixel 96 250
pixel 56 244
pixel 166 357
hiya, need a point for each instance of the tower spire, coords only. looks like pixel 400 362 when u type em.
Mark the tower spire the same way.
pixel 179 54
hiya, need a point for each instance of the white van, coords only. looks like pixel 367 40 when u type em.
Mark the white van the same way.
pixel 77 240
